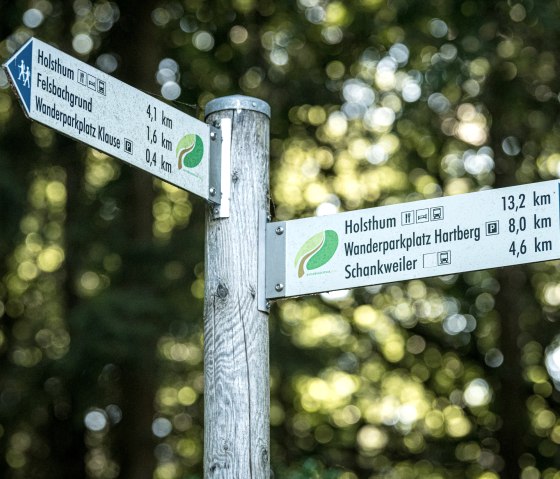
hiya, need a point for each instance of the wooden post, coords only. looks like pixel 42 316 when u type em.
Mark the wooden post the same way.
pixel 236 351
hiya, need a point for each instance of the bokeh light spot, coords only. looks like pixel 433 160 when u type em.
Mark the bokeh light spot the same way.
pixel 33 17
pixel 82 43
pixel 96 420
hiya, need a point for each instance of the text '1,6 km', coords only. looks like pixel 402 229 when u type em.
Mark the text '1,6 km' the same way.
pixel 88 105
pixel 488 229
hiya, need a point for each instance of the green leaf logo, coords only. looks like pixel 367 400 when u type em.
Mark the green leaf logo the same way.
pixel 316 251
pixel 190 151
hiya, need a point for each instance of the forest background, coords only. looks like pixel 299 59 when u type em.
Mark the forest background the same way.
pixel 373 103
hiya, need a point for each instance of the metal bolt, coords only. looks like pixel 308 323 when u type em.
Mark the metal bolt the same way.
pixel 279 230
pixel 213 135
pixel 267 305
pixel 216 211
pixel 279 287
pixel 212 191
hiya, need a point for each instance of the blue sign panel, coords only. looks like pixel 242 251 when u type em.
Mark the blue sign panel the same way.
pixel 20 67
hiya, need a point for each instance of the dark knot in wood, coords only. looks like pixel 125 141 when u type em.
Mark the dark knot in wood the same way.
pixel 264 456
pixel 222 291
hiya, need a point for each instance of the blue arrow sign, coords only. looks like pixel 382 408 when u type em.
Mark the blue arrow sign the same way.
pixel 84 103
pixel 20 67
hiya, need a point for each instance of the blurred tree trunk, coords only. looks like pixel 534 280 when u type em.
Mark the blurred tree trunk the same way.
pixel 515 294
pixel 136 40
pixel 67 442
pixel 512 395
pixel 67 431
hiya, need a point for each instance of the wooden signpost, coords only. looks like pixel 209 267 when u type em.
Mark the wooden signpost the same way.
pixel 250 261
pixel 236 371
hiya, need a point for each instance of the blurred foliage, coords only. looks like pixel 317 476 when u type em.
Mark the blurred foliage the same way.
pixel 374 102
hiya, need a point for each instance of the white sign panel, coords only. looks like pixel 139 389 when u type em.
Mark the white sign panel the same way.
pixel 84 103
pixel 488 229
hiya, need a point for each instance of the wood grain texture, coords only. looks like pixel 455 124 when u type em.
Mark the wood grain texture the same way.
pixel 236 350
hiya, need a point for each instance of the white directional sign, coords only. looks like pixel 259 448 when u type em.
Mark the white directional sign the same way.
pixel 84 103
pixel 488 229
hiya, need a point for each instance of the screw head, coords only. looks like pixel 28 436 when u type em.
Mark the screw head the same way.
pixel 279 230
pixel 212 191
pixel 213 135
pixel 279 287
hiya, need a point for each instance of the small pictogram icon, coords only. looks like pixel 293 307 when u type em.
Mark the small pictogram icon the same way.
pixel 24 73
pixel 492 228
pixel 128 146
pixel 82 77
pixel 423 215
pixel 407 218
pixel 444 258
pixel 92 82
pixel 436 213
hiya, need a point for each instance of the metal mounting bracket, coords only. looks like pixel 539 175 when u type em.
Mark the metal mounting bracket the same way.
pixel 220 168
pixel 275 281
